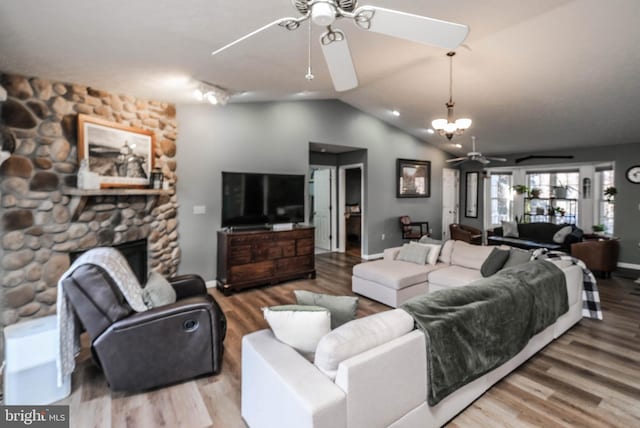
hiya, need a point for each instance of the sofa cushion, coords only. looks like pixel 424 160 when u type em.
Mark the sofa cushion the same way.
pixel 300 327
pixel 454 276
pixel 517 257
pixel 510 229
pixel 468 255
pixel 445 251
pixel 494 262
pixel 393 273
pixel 562 234
pixel 413 253
pixel 342 308
pixel 434 252
pixel 358 336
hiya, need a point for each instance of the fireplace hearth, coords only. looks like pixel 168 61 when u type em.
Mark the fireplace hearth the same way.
pixel 136 254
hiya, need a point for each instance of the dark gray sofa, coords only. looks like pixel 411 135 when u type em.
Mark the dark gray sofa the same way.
pixel 537 235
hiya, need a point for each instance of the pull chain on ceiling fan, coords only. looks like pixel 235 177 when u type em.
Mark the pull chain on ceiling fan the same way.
pixel 390 22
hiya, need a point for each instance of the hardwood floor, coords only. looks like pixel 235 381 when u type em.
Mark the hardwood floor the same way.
pixel 589 377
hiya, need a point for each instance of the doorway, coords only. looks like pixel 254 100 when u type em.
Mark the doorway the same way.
pixel 322 195
pixel 450 199
pixel 351 213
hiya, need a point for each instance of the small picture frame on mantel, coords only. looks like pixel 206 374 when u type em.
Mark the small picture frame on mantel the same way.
pixel 413 178
pixel 121 156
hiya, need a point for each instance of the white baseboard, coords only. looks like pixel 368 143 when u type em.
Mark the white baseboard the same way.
pixel 372 256
pixel 633 266
pixel 211 284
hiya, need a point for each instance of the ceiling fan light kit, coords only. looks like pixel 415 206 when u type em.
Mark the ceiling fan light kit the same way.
pixel 449 127
pixel 333 42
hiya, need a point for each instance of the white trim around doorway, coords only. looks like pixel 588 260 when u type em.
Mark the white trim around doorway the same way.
pixel 334 205
pixel 342 208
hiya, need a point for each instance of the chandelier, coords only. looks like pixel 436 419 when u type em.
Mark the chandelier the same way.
pixel 450 127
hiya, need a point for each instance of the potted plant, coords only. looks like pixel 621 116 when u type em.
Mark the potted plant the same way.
pixel 597 228
pixel 521 189
pixel 535 192
pixel 609 193
pixel 559 210
pixel 560 191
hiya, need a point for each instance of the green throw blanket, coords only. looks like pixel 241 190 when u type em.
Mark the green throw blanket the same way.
pixel 473 329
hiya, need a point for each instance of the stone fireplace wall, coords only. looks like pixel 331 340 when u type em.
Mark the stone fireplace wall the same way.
pixel 38 228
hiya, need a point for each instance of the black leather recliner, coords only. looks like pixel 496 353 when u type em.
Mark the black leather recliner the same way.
pixel 142 350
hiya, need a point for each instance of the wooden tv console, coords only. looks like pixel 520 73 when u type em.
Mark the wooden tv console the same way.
pixel 258 257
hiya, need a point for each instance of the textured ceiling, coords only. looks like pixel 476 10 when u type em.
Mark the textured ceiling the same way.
pixel 548 74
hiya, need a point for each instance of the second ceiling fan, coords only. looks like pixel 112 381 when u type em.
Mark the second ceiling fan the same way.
pixel 333 41
pixel 475 156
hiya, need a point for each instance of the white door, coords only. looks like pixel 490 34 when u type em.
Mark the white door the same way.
pixel 322 208
pixel 450 199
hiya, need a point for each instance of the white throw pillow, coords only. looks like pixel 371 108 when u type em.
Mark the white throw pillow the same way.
pixel 510 229
pixel 562 234
pixel 434 252
pixel 358 336
pixel 445 253
pixel 300 327
pixel 413 253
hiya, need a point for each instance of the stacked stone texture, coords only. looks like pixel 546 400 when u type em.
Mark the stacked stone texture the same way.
pixel 38 231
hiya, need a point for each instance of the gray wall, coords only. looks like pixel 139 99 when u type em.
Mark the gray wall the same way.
pixel 274 137
pixel 627 208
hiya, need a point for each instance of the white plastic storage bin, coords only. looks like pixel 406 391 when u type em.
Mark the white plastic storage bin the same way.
pixel 30 357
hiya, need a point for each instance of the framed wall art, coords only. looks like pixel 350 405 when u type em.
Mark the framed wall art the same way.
pixel 122 156
pixel 413 178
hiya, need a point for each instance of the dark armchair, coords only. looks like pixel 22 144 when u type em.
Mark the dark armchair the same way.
pixel 142 350
pixel 461 232
pixel 413 229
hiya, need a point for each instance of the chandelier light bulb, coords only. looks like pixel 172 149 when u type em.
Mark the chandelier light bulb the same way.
pixel 450 128
pixel 439 124
pixel 198 94
pixel 463 123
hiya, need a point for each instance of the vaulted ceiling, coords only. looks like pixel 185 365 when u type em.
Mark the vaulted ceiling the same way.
pixel 544 74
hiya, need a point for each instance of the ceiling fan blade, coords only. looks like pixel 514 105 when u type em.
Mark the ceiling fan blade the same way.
pixel 288 23
pixel 496 159
pixel 338 57
pixel 483 160
pixel 412 27
pixel 456 159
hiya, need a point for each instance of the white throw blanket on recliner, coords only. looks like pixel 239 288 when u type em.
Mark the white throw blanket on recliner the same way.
pixel 114 263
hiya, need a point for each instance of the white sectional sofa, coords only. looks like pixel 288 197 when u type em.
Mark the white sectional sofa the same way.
pixel 393 282
pixel 384 386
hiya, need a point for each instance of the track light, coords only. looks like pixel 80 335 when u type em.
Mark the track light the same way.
pixel 213 94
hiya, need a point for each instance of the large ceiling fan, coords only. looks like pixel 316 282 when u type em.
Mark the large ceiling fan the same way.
pixel 473 155
pixel 333 41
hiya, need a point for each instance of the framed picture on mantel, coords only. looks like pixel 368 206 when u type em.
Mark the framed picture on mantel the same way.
pixel 413 178
pixel 122 156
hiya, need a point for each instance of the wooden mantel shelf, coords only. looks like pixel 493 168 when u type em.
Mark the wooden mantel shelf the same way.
pixel 73 191
pixel 79 197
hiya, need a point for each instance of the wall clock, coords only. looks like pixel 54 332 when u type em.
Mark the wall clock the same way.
pixel 633 174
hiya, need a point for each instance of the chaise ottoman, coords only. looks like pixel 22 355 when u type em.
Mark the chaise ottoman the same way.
pixel 390 281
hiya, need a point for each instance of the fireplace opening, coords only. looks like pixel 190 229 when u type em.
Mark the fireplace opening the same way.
pixel 136 254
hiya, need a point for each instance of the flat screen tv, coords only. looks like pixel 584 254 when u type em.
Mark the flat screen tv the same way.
pixel 250 199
